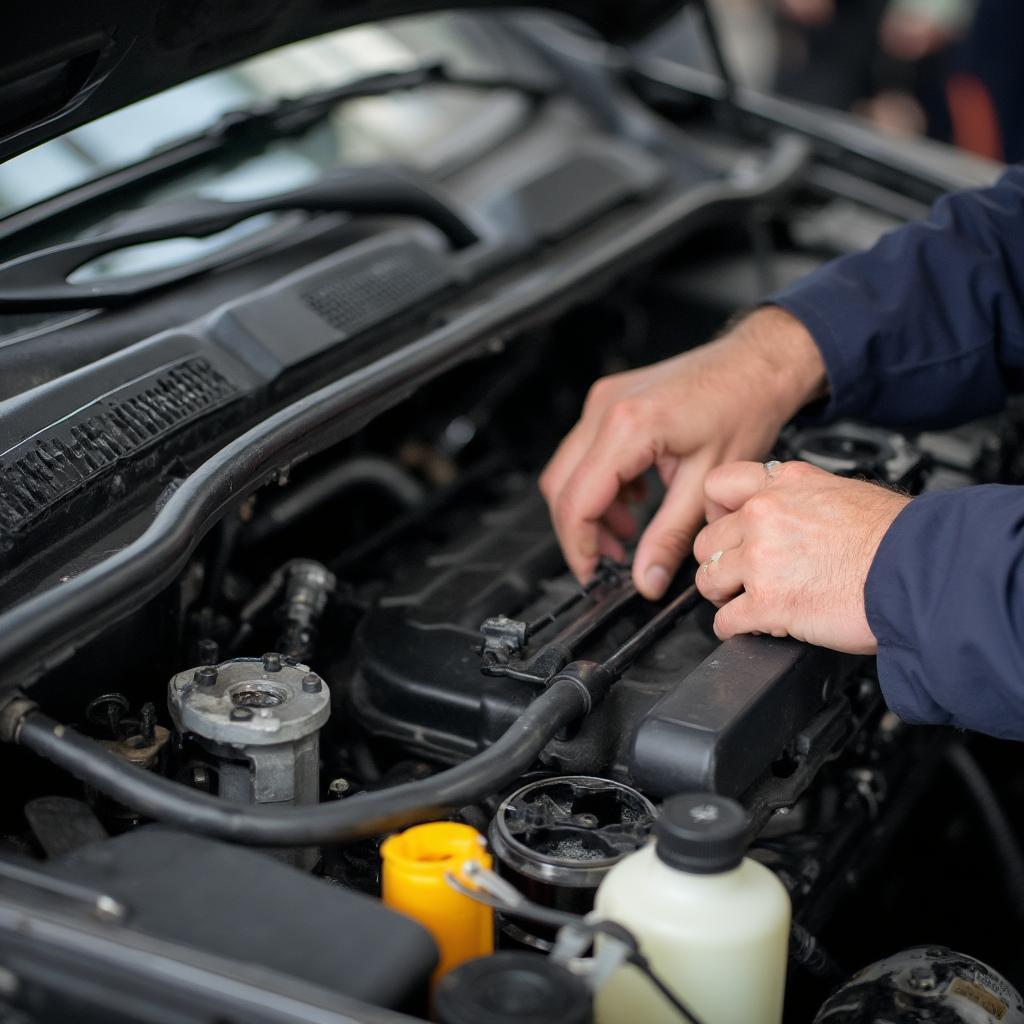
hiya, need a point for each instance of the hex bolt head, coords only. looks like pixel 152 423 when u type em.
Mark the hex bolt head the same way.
pixel 206 676
pixel 241 714
pixel 312 683
pixel 271 662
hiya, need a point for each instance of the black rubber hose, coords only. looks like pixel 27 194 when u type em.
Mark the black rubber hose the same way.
pixel 1000 828
pixel 808 952
pixel 359 817
pixel 361 471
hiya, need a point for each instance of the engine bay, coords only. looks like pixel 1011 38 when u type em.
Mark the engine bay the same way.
pixel 302 715
pixel 360 632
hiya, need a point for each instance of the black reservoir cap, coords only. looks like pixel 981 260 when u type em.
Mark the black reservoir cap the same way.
pixel 511 987
pixel 702 833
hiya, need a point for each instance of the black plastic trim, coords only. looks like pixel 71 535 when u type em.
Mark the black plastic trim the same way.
pixel 47 628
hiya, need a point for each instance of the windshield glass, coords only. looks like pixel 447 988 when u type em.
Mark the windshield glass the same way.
pixel 425 127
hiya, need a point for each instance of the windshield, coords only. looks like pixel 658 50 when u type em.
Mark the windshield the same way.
pixel 424 127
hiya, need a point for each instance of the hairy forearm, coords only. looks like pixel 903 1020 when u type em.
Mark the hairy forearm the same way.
pixel 774 345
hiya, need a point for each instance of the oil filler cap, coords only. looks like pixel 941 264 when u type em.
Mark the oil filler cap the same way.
pixel 701 833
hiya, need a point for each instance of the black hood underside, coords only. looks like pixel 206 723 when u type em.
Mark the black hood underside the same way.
pixel 64 63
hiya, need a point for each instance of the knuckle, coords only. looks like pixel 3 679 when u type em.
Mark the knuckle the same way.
pixel 600 392
pixel 675 539
pixel 759 507
pixel 797 470
pixel 629 415
pixel 757 555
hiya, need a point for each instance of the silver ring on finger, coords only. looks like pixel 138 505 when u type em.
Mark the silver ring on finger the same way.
pixel 712 561
pixel 771 468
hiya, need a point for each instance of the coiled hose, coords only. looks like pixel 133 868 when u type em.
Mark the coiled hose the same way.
pixel 567 698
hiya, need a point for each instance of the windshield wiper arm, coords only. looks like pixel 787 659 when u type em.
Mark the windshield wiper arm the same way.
pixel 254 125
pixel 295 115
pixel 39 281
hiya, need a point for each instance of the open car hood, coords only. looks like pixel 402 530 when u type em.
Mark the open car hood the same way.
pixel 63 62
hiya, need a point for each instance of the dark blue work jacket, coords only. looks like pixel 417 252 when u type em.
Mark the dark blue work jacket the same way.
pixel 926 329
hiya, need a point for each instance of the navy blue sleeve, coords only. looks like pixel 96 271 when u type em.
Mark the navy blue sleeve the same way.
pixel 925 329
pixel 945 600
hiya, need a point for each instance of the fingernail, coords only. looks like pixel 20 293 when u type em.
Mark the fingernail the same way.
pixel 657 579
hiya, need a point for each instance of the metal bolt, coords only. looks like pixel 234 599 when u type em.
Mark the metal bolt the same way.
pixel 311 683
pixel 206 676
pixel 109 909
pixel 337 788
pixel 271 662
pixel 241 714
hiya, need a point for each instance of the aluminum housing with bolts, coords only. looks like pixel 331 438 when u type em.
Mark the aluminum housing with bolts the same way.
pixel 260 719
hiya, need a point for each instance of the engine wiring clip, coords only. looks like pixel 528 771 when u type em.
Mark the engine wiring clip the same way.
pixel 503 639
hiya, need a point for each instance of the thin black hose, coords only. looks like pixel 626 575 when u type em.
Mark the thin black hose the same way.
pixel 640 962
pixel 358 817
pixel 1000 829
pixel 361 471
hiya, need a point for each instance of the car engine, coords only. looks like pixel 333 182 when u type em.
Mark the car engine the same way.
pixel 391 611
pixel 277 587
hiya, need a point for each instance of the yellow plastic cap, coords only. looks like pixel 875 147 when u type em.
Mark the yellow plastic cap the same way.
pixel 415 863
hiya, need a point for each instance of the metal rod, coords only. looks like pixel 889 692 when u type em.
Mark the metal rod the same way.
pixel 618 662
pixel 574 598
pixel 593 618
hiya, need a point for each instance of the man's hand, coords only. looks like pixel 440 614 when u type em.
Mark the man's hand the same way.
pixel 723 401
pixel 788 553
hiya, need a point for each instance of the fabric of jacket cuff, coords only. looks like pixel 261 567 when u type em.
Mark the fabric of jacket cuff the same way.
pixel 809 304
pixel 945 600
pixel 863 344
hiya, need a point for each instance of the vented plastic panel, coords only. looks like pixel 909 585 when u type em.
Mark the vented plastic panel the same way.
pixel 45 469
pixel 383 284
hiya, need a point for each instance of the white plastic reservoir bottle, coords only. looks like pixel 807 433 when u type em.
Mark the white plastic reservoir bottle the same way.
pixel 713 924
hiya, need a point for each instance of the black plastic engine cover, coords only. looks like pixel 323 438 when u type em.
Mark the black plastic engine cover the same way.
pixel 418 672
pixel 689 713
pixel 732 717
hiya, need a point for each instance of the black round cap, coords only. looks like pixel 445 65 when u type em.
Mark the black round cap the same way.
pixel 509 988
pixel 701 833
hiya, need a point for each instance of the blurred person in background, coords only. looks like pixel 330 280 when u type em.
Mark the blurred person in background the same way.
pixel 885 59
pixel 946 68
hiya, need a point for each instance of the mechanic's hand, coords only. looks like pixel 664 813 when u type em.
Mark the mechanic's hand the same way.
pixel 723 401
pixel 787 553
